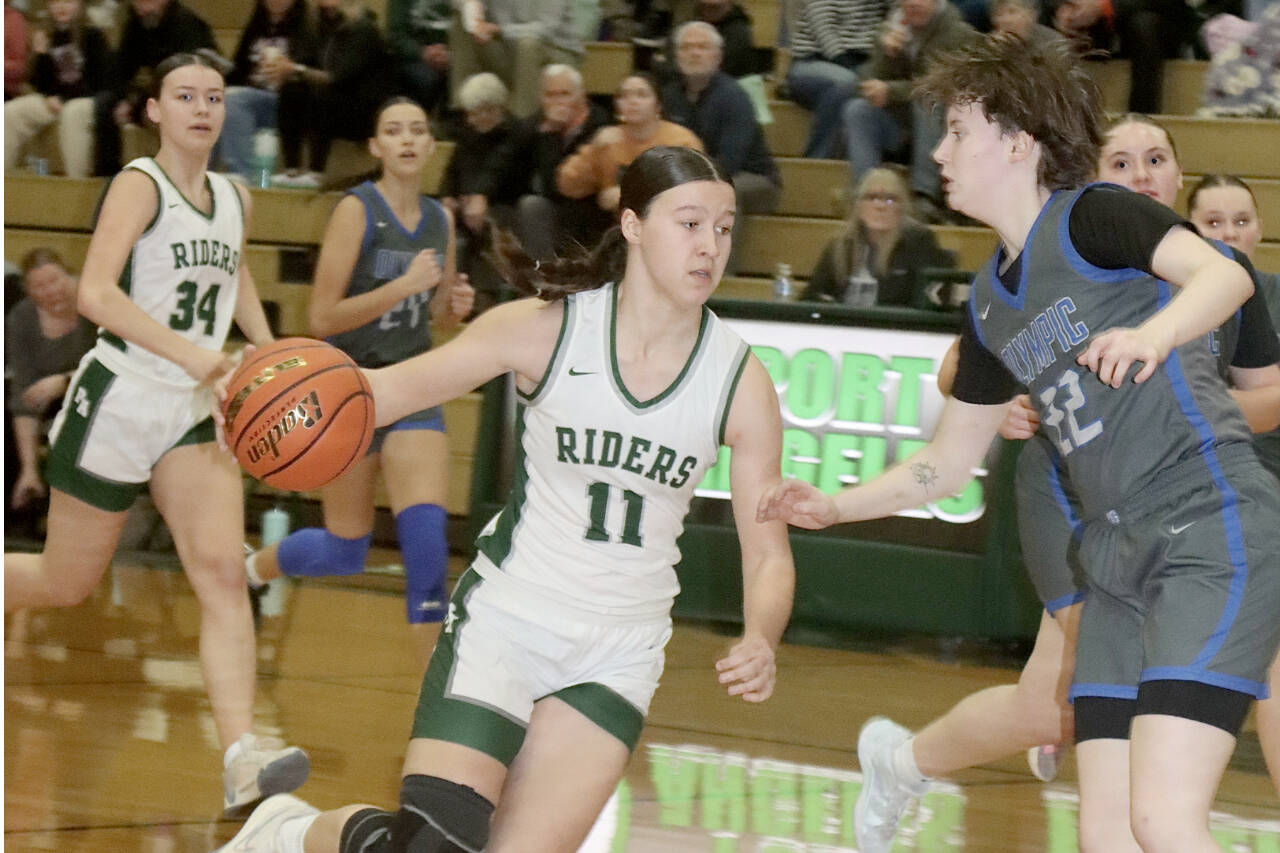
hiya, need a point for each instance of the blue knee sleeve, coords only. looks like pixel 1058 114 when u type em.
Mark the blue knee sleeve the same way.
pixel 315 552
pixel 420 529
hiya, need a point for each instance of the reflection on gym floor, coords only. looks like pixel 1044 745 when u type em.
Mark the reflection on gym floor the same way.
pixel 109 744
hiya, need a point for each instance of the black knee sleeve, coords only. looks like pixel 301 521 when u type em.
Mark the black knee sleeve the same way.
pixel 436 816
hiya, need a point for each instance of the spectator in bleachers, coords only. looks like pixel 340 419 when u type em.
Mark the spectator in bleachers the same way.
pixel 885 117
pixel 1243 78
pixel 70 63
pixel 513 39
pixel 279 35
pixel 830 41
pixel 479 188
pixel 547 221
pixel 1146 32
pixel 710 103
pixel 593 170
pixel 153 31
pixel 354 74
pixel 419 31
pixel 44 339
pixel 15 50
pixel 739 55
pixel 1022 19
pixel 878 258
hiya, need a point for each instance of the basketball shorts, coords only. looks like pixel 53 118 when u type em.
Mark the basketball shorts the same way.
pixel 1048 526
pixel 113 429
pixel 499 653
pixel 432 418
pixel 1184 584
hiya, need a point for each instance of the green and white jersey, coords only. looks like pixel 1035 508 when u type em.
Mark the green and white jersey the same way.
pixel 183 272
pixel 603 481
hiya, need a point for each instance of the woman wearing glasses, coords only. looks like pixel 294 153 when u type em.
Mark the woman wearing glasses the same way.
pixel 876 260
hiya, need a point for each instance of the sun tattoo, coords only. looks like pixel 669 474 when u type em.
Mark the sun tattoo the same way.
pixel 924 473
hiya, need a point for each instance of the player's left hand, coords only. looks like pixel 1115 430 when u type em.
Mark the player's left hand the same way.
pixel 749 669
pixel 1111 354
pixel 462 296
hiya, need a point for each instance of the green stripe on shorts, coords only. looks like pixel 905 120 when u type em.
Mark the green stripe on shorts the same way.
pixel 606 709
pixel 455 720
pixel 63 472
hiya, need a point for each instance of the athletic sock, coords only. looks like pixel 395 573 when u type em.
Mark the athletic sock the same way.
pixel 251 570
pixel 904 765
pixel 293 832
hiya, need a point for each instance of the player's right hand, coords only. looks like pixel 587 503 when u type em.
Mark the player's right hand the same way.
pixel 207 366
pixel 798 503
pixel 1021 421
pixel 423 273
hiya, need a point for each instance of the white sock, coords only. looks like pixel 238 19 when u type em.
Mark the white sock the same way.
pixel 904 765
pixel 230 755
pixel 292 832
pixel 251 570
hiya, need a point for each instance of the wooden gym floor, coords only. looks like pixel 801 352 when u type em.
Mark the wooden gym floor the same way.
pixel 109 745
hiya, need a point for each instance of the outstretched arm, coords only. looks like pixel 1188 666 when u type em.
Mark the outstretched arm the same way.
pixel 754 433
pixel 515 336
pixel 940 468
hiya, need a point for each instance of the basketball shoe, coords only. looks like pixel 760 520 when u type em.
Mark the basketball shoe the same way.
pixel 261 832
pixel 1044 761
pixel 264 766
pixel 884 795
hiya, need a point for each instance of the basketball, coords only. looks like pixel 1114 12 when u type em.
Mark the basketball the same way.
pixel 299 413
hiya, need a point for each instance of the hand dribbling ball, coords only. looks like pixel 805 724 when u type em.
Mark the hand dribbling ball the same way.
pixel 299 413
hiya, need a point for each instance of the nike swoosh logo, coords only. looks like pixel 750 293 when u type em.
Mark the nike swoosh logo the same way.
pixel 573 372
pixel 1176 530
pixel 982 315
pixel 175 204
pixel 382 225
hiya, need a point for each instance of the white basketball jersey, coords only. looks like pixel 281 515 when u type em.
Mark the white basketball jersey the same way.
pixel 602 480
pixel 183 272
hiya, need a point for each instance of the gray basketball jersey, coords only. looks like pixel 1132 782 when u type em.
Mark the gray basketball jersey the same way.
pixel 1112 441
pixel 603 480
pixel 183 272
pixel 386 250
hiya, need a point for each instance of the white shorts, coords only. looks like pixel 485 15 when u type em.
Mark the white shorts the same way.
pixel 495 659
pixel 114 427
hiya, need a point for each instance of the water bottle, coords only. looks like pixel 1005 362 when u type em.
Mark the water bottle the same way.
pixel 863 289
pixel 275 526
pixel 265 145
pixel 782 285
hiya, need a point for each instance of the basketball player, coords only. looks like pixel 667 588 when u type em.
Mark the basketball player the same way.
pixel 163 279
pixel 386 270
pixel 1177 631
pixel 1137 153
pixel 627 386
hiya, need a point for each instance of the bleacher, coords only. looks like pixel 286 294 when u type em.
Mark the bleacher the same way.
pixel 288 224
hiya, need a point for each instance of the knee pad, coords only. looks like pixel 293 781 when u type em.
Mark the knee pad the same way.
pixel 436 816
pixel 315 552
pixel 439 816
pixel 421 532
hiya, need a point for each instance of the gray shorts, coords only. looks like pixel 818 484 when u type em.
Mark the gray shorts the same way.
pixel 498 654
pixel 1049 526
pixel 1184 585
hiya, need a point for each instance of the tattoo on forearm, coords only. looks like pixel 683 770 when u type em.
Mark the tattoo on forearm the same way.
pixel 924 474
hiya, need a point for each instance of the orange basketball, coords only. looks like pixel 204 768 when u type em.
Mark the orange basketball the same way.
pixel 299 413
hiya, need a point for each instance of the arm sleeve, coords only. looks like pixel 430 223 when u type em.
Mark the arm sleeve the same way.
pixel 981 378
pixel 736 127
pixel 1258 345
pixel 19 367
pixel 1114 228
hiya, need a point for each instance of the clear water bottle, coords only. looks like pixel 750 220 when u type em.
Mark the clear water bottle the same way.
pixel 783 287
pixel 265 146
pixel 863 289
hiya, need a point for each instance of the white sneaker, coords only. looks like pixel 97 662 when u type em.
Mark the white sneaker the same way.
pixel 260 832
pixel 265 766
pixel 883 797
pixel 1044 761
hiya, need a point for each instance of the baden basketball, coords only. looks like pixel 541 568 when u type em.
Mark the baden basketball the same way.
pixel 298 413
